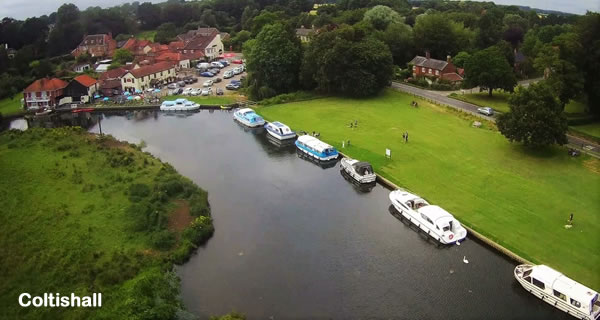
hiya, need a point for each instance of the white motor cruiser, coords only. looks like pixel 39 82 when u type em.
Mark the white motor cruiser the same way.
pixel 558 290
pixel 435 221
pixel 279 130
pixel 361 172
pixel 179 105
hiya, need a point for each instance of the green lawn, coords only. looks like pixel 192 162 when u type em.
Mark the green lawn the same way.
pixel 69 222
pixel 518 198
pixel 499 101
pixel 146 35
pixel 592 129
pixel 208 100
pixel 8 106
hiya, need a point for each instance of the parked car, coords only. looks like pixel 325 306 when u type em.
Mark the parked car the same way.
pixel 181 83
pixel 217 80
pixel 207 74
pixel 237 70
pixel 486 110
pixel 206 91
pixel 219 92
pixel 216 64
pixel 228 74
pixel 207 83
pixel 196 91
pixel 236 82
pixel 188 91
pixel 232 86
pixel 214 70
pixel 172 86
pixel 237 61
pixel 177 91
pixel 224 62
pixel 194 79
pixel 243 66
pixel 203 65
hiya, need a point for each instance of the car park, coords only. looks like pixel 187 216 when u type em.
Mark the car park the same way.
pixel 486 110
pixel 206 91
pixel 196 91
pixel 207 83
pixel 207 74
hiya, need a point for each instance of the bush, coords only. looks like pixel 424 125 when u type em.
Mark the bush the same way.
pixel 199 204
pixel 199 231
pixel 163 240
pixel 289 97
pixel 182 253
pixel 138 191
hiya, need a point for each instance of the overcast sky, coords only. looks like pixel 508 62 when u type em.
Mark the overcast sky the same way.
pixel 22 9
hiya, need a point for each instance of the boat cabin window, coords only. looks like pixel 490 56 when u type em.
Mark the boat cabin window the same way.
pixel 419 205
pixel 576 303
pixel 426 218
pixel 527 273
pixel 446 228
pixel 410 204
pixel 560 295
pixel 539 284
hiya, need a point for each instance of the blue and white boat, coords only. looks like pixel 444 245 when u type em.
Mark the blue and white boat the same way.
pixel 279 130
pixel 316 148
pixel 248 117
pixel 179 105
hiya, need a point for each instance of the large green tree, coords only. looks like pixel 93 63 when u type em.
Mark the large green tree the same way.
pixel 67 32
pixel 588 34
pixel 273 60
pixel 382 16
pixel 122 56
pixel 440 36
pixel 536 117
pixel 149 15
pixel 166 33
pixel 490 69
pixel 344 62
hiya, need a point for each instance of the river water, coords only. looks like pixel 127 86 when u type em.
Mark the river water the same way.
pixel 296 241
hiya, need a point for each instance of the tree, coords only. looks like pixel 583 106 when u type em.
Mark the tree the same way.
pixel 68 31
pixel 536 117
pixel 399 38
pixel 490 29
pixel 460 59
pixel 488 68
pixel 149 15
pixel 122 56
pixel 165 33
pixel 588 34
pixel 436 34
pixel 344 62
pixel 273 61
pixel 381 17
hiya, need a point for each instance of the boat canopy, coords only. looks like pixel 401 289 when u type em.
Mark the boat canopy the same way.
pixel 435 213
pixel 245 110
pixel 363 168
pixel 181 100
pixel 168 103
pixel 315 143
pixel 559 282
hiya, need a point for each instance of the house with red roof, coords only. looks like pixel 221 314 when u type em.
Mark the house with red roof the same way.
pixel 82 89
pixel 44 93
pixel 204 40
pixel 434 68
pixel 148 76
pixel 97 45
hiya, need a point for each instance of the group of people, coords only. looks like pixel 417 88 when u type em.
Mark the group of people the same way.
pixel 414 104
pixel 353 124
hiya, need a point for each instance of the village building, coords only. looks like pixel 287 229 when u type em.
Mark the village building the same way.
pixel 434 68
pixel 96 45
pixel 305 34
pixel 81 67
pixel 205 40
pixel 44 93
pixel 149 76
pixel 110 82
pixel 81 89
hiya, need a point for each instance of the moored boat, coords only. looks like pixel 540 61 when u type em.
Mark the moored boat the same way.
pixel 558 290
pixel 360 171
pixel 435 221
pixel 248 117
pixel 82 110
pixel 179 105
pixel 279 130
pixel 316 148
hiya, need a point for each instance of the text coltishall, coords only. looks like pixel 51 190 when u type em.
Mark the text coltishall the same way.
pixel 55 300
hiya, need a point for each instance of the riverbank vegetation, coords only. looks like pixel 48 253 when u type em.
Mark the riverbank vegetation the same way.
pixel 519 198
pixel 82 213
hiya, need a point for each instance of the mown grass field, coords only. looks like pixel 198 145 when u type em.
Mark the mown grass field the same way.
pixel 81 214
pixel 592 129
pixel 519 198
pixel 10 106
pixel 208 100
pixel 146 35
pixel 499 101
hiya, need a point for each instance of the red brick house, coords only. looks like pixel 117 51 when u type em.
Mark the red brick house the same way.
pixel 434 68
pixel 204 40
pixel 97 45
pixel 44 93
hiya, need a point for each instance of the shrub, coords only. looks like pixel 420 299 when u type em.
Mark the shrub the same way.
pixel 289 97
pixel 163 240
pixel 199 204
pixel 182 253
pixel 199 231
pixel 138 191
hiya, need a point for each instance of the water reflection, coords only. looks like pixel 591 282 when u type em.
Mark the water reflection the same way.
pixel 323 164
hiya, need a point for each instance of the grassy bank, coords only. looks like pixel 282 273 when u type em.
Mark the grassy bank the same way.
pixel 207 100
pixel 592 129
pixel 518 198
pixel 85 214
pixel 10 106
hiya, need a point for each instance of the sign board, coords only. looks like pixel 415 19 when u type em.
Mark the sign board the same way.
pixel 388 153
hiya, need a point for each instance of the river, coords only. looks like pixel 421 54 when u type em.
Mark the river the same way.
pixel 296 241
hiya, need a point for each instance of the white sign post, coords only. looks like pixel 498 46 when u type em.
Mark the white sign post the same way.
pixel 388 153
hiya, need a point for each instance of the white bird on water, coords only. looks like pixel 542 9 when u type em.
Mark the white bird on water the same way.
pixel 465 259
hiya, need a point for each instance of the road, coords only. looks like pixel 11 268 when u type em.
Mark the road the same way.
pixel 438 97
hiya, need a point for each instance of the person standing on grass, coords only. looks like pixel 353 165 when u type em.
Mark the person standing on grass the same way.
pixel 571 219
pixel 406 136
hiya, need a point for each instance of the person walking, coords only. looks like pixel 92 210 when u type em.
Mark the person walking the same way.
pixel 571 219
pixel 406 136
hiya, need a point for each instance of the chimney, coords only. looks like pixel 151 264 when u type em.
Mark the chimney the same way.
pixel 427 55
pixel 448 59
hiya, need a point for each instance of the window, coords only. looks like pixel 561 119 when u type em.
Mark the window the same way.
pixel 423 69
pixel 560 295
pixel 576 303
pixel 437 72
pixel 539 284
pixel 429 70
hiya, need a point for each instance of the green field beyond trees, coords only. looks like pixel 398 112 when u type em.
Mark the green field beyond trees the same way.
pixel 85 214
pixel 519 198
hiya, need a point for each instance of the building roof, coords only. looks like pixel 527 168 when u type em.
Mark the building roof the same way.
pixel 110 84
pixel 304 32
pixel 176 45
pixel 452 77
pixel 46 84
pixel 94 39
pixel 435 64
pixel 151 69
pixel 198 39
pixel 116 73
pixel 85 80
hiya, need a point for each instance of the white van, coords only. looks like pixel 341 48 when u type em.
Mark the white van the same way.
pixel 203 65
